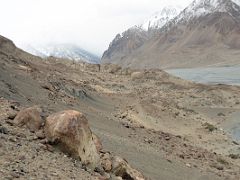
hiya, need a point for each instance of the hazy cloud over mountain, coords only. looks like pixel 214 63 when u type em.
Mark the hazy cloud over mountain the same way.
pixel 91 24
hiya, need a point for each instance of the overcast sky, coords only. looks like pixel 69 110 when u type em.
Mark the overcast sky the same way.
pixel 92 24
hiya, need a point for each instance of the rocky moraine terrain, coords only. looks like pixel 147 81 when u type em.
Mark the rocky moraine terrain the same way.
pixel 65 120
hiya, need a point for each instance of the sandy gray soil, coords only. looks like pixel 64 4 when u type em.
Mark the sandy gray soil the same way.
pixel 164 126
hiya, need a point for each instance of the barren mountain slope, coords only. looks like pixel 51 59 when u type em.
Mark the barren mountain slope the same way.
pixel 206 33
pixel 150 118
pixel 123 45
pixel 126 43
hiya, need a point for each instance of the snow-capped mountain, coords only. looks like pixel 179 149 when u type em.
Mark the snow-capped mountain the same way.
pixel 68 51
pixel 203 7
pixel 133 38
pixel 206 33
pixel 160 18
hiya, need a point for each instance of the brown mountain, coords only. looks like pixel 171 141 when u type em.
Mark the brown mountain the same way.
pixel 124 44
pixel 206 33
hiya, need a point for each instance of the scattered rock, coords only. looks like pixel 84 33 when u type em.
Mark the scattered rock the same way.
pixel 22 158
pixel 3 130
pixel 29 117
pixel 123 115
pixel 110 68
pixel 116 178
pixel 105 176
pixel 235 142
pixel 34 137
pixel 234 156
pixel 14 175
pixel 71 131
pixel 218 166
pixel 99 170
pixel 167 138
pixel 40 134
pixel 169 160
pixel 54 174
pixel 222 161
pixel 209 127
pixel 12 115
pixel 126 125
pixel 49 148
pixel 15 105
pixel 181 156
pixel 137 75
pixel 106 164
pixel 179 136
pixel 121 168
pixel 10 122
pixel 47 87
pixel 20 135
pixel 148 141
pixel 221 114
pixel 44 141
pixel 12 139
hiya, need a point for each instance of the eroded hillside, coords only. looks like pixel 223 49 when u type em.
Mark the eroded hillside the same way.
pixel 166 127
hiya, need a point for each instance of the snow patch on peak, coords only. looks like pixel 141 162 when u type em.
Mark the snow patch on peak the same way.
pixel 203 7
pixel 236 2
pixel 213 3
pixel 159 19
pixel 68 51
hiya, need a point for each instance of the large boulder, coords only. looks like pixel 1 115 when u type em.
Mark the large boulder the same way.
pixel 29 117
pixel 70 130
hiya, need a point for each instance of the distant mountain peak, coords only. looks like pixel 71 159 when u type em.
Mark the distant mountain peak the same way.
pixel 160 18
pixel 68 51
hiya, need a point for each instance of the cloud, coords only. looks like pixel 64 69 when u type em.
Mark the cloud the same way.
pixel 92 24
